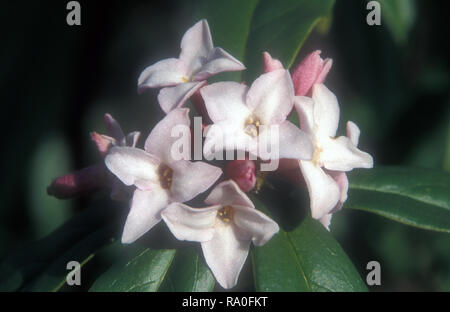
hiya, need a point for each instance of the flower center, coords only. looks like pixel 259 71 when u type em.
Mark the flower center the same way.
pixel 251 126
pixel 226 214
pixel 185 79
pixel 316 155
pixel 165 176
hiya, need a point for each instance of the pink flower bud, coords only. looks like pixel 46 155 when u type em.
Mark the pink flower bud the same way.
pixel 271 64
pixel 243 173
pixel 312 70
pixel 78 182
pixel 102 142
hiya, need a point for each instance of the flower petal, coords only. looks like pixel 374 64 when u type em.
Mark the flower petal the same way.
pixel 228 193
pixel 341 155
pixel 225 254
pixel 326 220
pixel 305 110
pixel 132 138
pixel 323 190
pixel 192 178
pixel 341 179
pixel 103 142
pixel 164 73
pixel 114 128
pixel 133 166
pixel 260 227
pixel 225 101
pixel 218 61
pixel 271 97
pixel 271 64
pixel 192 224
pixel 174 97
pixel 292 142
pixel 160 141
pixel 145 213
pixel 353 132
pixel 196 46
pixel 324 72
pixel 326 111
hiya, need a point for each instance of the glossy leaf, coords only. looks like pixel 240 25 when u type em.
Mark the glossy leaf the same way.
pixel 141 270
pixel 307 258
pixel 399 16
pixel 188 273
pixel 280 28
pixel 413 196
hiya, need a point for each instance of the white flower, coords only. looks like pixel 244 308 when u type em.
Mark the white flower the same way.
pixel 319 117
pixel 225 229
pixel 246 116
pixel 158 177
pixel 183 76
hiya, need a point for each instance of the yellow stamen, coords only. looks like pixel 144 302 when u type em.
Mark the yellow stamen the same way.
pixel 185 79
pixel 165 176
pixel 226 214
pixel 251 126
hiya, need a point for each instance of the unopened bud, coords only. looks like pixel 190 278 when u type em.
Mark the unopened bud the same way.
pixel 243 173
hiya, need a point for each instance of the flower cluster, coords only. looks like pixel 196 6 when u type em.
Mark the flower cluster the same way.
pixel 161 178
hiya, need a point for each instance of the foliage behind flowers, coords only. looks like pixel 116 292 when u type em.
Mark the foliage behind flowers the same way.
pixel 231 207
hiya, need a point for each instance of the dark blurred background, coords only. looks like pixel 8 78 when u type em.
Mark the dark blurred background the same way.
pixel 57 81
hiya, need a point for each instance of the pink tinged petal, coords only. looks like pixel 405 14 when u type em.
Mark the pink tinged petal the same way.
pixel 228 193
pixel 160 141
pixel 218 61
pixel 191 224
pixel 341 155
pixel 145 213
pixel 255 223
pixel 292 142
pixel 192 178
pixel 341 179
pixel 132 138
pixel 168 72
pixel 307 72
pixel 133 167
pixel 324 72
pixel 326 220
pixel 225 101
pixel 271 97
pixel 353 132
pixel 323 191
pixel 196 46
pixel 225 254
pixel 243 173
pixel 103 142
pixel 305 108
pixel 114 128
pixel 271 64
pixel 78 182
pixel 173 97
pixel 326 111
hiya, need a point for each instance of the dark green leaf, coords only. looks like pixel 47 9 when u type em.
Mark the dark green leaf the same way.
pixel 305 259
pixel 281 27
pixel 413 196
pixel 188 273
pixel 24 264
pixel 140 270
pixel 399 16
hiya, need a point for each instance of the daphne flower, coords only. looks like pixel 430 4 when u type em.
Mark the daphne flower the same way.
pixel 159 178
pixel 95 176
pixel 224 229
pixel 245 117
pixel 319 118
pixel 183 76
pixel 341 177
pixel 312 70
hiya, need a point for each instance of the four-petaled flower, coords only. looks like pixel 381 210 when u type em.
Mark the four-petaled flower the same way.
pixel 246 117
pixel 183 76
pixel 225 229
pixel 319 117
pixel 159 178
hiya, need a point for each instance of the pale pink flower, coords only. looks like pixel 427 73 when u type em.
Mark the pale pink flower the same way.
pixel 182 76
pixel 225 229
pixel 245 117
pixel 319 118
pixel 159 178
